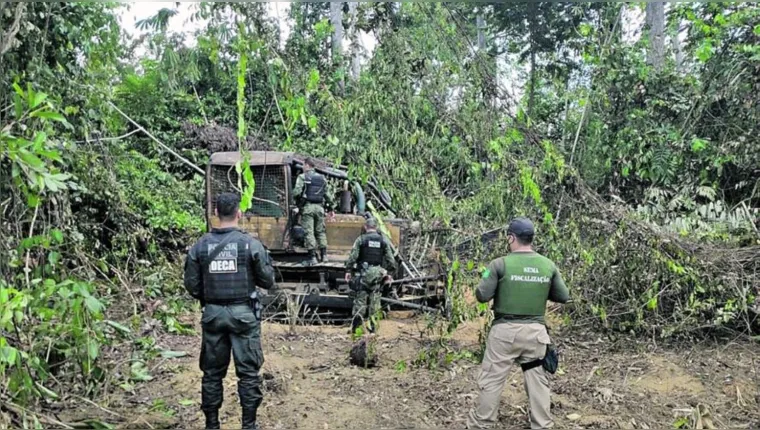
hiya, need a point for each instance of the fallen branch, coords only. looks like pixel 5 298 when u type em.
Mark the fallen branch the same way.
pixel 171 151
pixel 423 308
pixel 20 410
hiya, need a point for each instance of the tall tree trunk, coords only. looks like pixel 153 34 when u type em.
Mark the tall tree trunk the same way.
pixel 336 19
pixel 353 34
pixel 7 36
pixel 655 24
pixel 532 82
pixel 674 39
pixel 481 23
pixel 532 14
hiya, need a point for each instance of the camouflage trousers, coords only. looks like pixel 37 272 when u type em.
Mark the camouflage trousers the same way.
pixel 228 329
pixel 367 298
pixel 313 223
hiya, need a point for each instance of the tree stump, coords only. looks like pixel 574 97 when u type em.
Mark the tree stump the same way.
pixel 364 352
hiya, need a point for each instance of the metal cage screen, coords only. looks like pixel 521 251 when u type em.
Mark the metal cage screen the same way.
pixel 270 189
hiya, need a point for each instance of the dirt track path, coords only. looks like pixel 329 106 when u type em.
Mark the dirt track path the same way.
pixel 310 384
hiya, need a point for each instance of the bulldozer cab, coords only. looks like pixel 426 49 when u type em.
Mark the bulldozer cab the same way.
pixel 271 217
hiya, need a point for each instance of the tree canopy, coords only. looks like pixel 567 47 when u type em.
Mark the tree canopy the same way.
pixel 643 177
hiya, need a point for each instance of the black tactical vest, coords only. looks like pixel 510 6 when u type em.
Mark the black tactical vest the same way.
pixel 372 249
pixel 227 279
pixel 315 189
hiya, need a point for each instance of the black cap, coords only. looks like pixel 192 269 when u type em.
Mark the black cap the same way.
pixel 521 227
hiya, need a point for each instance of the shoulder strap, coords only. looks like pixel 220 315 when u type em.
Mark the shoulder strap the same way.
pixel 219 247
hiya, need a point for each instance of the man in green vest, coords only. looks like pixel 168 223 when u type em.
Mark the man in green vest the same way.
pixel 519 285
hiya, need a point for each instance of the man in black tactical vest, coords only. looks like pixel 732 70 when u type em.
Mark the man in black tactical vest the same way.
pixel 223 270
pixel 519 284
pixel 372 257
pixel 311 190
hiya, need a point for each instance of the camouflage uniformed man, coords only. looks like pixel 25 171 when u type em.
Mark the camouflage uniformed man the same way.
pixel 519 284
pixel 223 270
pixel 372 257
pixel 312 189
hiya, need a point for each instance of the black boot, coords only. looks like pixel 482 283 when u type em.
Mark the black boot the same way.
pixel 312 260
pixel 323 254
pixel 249 419
pixel 212 419
pixel 356 322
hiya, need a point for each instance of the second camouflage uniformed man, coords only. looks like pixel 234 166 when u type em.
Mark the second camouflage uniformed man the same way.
pixel 223 270
pixel 312 190
pixel 372 258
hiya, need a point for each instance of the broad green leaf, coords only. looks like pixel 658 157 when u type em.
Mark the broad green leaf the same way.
pixel 6 316
pixel 173 354
pixel 31 160
pixel 652 303
pixel 697 145
pixel 37 99
pixel 186 402
pixel 54 257
pixel 18 90
pixel 18 106
pixel 54 116
pixel 54 184
pixel 705 51
pixel 119 327
pixel 93 304
pixel 139 373
pixel 57 235
pixel 46 391
pixel 98 424
pixel 9 354
pixel 311 86
pixel 92 349
pixel 32 201
pixel 39 138
pixel 52 155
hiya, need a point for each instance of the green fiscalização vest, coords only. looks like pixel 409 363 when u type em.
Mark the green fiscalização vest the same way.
pixel 524 288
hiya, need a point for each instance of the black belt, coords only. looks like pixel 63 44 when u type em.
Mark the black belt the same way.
pixel 531 364
pixel 228 302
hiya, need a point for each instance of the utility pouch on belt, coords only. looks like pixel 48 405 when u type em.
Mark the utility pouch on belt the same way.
pixel 550 362
pixel 256 304
pixel 355 283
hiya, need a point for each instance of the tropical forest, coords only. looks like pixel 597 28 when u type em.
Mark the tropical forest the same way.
pixel 627 132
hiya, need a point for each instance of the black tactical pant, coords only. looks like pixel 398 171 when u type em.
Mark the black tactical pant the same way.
pixel 230 328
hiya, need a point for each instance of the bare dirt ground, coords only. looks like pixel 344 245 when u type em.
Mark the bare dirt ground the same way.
pixel 309 383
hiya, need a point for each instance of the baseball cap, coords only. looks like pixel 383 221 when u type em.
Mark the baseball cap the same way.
pixel 521 226
pixel 371 222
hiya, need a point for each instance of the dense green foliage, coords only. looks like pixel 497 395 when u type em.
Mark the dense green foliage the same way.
pixel 644 182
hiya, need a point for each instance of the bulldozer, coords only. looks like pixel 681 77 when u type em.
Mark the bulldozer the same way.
pixel 319 290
